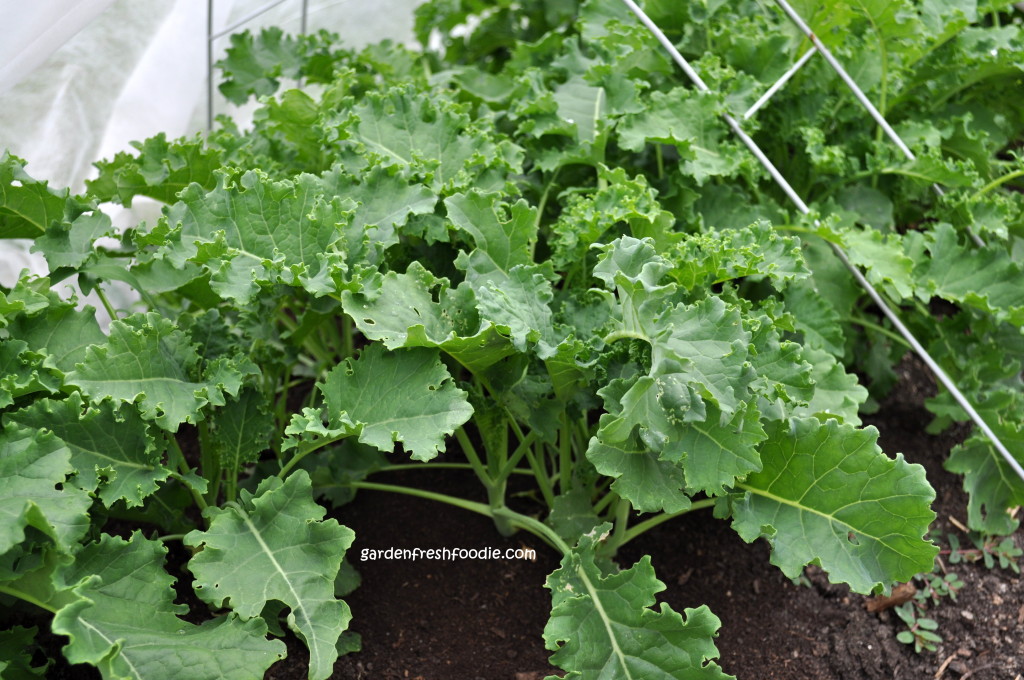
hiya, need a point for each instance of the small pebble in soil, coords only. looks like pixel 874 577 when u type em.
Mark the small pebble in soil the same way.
pixel 967 615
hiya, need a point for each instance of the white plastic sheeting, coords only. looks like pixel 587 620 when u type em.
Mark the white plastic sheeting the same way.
pixel 80 79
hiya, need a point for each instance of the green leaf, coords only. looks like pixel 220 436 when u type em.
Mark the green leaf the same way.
pixel 71 245
pixel 504 236
pixel 837 394
pixel 275 545
pixel 161 170
pixel 34 490
pixel 403 396
pixel 27 206
pixel 151 363
pixel 254 231
pixel 117 581
pixel 828 495
pixel 241 430
pixel 519 306
pixel 21 372
pixel 16 654
pixel 63 333
pixel 433 138
pixel 400 310
pixel 692 123
pixel 254 64
pixel 983 278
pixel 993 487
pixel 723 255
pixel 883 259
pixel 650 484
pixel 110 448
pixel 606 626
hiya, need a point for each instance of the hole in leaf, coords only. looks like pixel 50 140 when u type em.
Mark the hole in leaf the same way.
pixel 852 538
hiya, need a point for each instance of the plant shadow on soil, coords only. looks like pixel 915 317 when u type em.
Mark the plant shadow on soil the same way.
pixel 482 620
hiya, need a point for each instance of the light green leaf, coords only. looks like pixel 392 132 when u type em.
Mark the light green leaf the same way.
pixel 110 448
pixel 606 626
pixel 993 487
pixel 983 278
pixel 252 231
pixel 432 137
pixel 717 452
pixel 161 170
pixel 503 236
pixel 71 245
pixel 34 467
pixel 827 495
pixel 62 332
pixel 149 362
pixel 689 121
pixel 403 396
pixel 275 545
pixel 126 623
pixel 21 372
pixel 837 394
pixel 400 310
pixel 650 484
pixel 519 306
pixel 27 207
pixel 882 258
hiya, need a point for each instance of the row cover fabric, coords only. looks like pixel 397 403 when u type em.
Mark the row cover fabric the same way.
pixel 81 79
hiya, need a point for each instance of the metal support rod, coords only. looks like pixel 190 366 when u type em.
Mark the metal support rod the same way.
pixel 779 83
pixel 304 24
pixel 802 207
pixel 209 65
pixel 246 19
pixel 795 17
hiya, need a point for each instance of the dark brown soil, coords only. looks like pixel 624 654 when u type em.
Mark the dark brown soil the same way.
pixel 483 620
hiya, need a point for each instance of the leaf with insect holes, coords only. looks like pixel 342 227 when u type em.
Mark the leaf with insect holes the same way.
pixel 275 545
pixel 111 449
pixel 827 495
pixel 28 207
pixel 126 624
pixel 405 396
pixel 605 626
pixel 34 491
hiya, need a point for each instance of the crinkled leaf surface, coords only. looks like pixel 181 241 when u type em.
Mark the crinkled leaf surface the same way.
pixel 984 278
pixel 253 230
pixel 827 495
pixel 275 545
pixel 149 362
pixel 110 448
pixel 606 627
pixel 241 430
pixel 402 396
pixel 21 372
pixel 126 623
pixel 400 310
pixel 34 467
pixel 503 235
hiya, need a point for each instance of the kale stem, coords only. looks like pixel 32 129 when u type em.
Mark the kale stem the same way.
pixel 27 598
pixel 473 457
pixel 171 537
pixel 535 527
pixel 879 329
pixel 564 455
pixel 999 181
pixel 313 446
pixel 647 524
pixel 543 480
pixel 517 455
pixel 442 466
pixel 622 510
pixel 103 299
pixel 622 335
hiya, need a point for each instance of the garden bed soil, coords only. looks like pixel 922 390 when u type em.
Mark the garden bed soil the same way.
pixel 482 620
